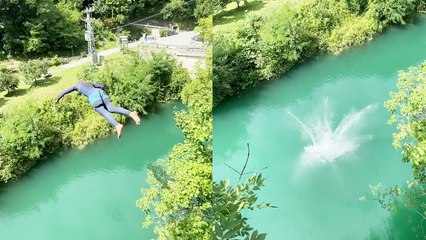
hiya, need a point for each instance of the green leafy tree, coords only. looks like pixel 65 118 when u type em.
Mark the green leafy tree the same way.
pixel 352 33
pixel 181 200
pixel 65 28
pixel 8 80
pixel 203 9
pixel 408 107
pixel 412 196
pixel 224 67
pixel 357 6
pixel 392 11
pixel 31 27
pixel 205 29
pixel 117 10
pixel 13 15
pixel 179 9
pixel 236 59
pixel 78 5
pixel 33 70
pixel 229 203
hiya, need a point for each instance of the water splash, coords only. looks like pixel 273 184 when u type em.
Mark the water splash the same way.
pixel 330 143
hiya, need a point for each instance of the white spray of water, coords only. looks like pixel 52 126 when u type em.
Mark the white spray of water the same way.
pixel 328 144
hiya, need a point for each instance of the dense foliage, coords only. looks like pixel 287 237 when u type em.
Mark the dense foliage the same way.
pixel 263 47
pixel 33 131
pixel 39 26
pixel 116 11
pixel 180 191
pixel 186 9
pixel 408 107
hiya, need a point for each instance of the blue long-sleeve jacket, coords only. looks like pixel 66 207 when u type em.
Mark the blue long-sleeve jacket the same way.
pixel 93 91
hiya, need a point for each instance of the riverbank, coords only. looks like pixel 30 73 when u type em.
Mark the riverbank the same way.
pixel 263 47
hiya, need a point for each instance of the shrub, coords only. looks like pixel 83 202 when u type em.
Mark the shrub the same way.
pixel 180 77
pixel 8 81
pixel 284 42
pixel 55 61
pixel 33 70
pixel 88 73
pixel 25 138
pixel 392 11
pixel 164 32
pixel 130 85
pixel 352 33
pixel 225 68
pixel 138 84
pixel 88 129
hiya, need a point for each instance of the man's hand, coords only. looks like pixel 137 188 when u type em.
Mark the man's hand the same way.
pixel 56 101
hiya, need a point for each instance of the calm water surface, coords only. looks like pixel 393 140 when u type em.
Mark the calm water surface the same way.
pixel 89 193
pixel 317 194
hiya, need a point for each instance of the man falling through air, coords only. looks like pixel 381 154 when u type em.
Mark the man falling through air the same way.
pixel 102 103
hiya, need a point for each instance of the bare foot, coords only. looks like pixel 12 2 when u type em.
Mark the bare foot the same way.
pixel 135 117
pixel 119 128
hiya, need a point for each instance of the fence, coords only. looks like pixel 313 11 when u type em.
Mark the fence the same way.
pixel 193 51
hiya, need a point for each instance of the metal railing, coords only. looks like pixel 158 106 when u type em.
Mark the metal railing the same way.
pixel 177 50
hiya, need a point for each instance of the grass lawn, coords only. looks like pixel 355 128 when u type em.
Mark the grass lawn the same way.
pixel 228 18
pixel 48 88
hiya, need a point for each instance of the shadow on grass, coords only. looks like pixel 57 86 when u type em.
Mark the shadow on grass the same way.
pixel 47 82
pixel 2 101
pixel 226 17
pixel 17 92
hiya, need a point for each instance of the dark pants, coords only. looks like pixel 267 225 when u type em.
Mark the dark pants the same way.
pixel 106 108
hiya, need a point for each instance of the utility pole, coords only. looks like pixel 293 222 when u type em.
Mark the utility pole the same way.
pixel 89 35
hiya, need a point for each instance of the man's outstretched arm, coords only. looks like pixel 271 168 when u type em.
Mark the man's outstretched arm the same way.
pixel 68 90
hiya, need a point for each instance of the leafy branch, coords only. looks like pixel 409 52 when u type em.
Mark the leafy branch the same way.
pixel 229 202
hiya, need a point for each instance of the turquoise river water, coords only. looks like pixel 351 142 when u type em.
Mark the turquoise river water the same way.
pixel 321 132
pixel 89 193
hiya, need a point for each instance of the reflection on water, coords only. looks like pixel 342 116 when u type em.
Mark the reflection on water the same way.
pixel 401 222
